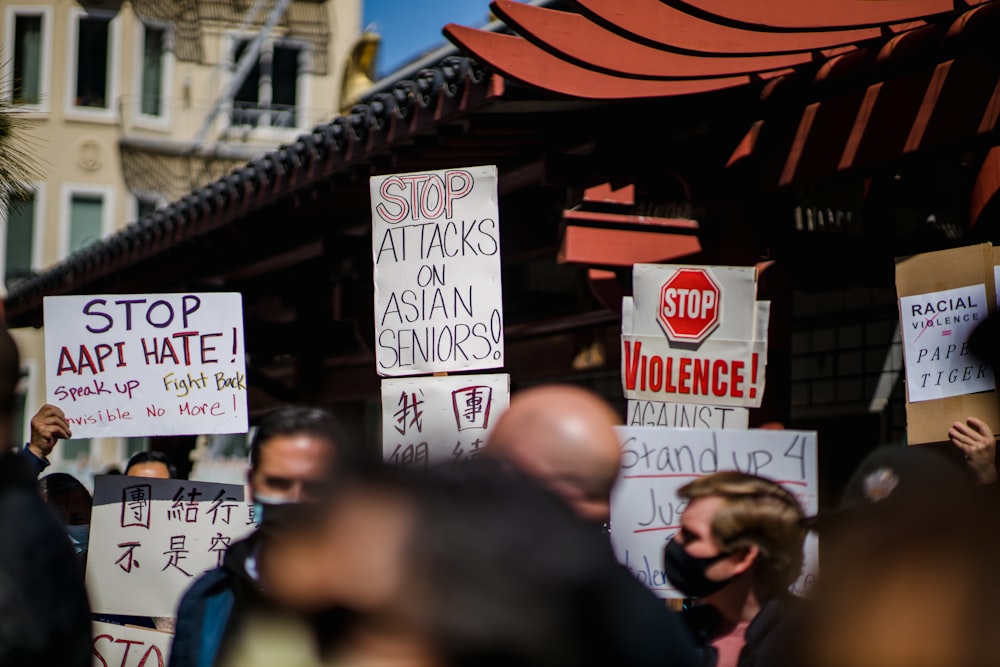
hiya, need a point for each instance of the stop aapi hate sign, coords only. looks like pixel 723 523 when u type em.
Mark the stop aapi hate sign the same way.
pixel 147 364
pixel 436 249
pixel 690 344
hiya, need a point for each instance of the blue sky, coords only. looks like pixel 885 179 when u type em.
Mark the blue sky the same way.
pixel 410 28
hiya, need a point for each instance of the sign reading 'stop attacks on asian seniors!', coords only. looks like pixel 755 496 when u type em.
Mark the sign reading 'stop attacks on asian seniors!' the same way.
pixel 147 364
pixel 436 248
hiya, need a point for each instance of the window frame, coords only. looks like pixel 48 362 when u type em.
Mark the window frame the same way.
pixel 66 193
pixel 11 12
pixel 108 114
pixel 37 235
pixel 302 88
pixel 140 119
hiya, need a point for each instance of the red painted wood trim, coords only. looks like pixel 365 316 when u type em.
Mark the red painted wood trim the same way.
pixel 618 247
pixel 584 41
pixel 662 24
pixel 821 14
pixel 628 219
pixel 604 194
pixel 522 61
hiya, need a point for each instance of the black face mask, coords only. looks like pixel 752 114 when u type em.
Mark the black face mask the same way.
pixel 686 573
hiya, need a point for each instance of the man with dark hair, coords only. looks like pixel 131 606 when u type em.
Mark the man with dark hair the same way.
pixel 295 454
pixel 738 550
pixel 150 464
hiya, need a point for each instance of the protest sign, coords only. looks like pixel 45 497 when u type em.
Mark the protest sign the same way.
pixel 645 509
pixel 943 296
pixel 130 646
pixel 686 415
pixel 440 419
pixel 436 248
pixel 694 335
pixel 151 538
pixel 147 364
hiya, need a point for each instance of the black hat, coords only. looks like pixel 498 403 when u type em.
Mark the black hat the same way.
pixel 899 484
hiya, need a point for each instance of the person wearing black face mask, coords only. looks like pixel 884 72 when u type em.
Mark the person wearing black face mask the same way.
pixel 295 455
pixel 738 550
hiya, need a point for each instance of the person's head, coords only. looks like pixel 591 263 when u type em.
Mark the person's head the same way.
pixel 477 566
pixel 72 503
pixel 150 464
pixel 294 455
pixel 564 437
pixel 736 525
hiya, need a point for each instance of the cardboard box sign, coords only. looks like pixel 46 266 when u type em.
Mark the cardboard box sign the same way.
pixel 943 297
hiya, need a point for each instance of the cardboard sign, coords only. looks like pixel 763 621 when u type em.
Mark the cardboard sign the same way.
pixel 686 415
pixel 147 364
pixel 440 419
pixel 645 509
pixel 152 538
pixel 129 646
pixel 436 248
pixel 926 282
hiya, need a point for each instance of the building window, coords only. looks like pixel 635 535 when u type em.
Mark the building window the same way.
pixel 27 82
pixel 153 49
pixel 92 62
pixel 268 95
pixel 20 242
pixel 86 220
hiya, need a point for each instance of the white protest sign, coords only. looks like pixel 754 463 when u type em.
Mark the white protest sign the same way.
pixel 436 248
pixel 129 646
pixel 147 364
pixel 686 415
pixel 151 538
pixel 936 329
pixel 645 509
pixel 440 419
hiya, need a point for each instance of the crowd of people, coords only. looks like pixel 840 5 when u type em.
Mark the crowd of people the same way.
pixel 506 561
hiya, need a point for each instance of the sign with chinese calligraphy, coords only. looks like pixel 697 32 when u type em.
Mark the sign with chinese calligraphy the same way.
pixel 130 646
pixel 436 248
pixel 147 364
pixel 440 419
pixel 943 296
pixel 645 509
pixel 151 538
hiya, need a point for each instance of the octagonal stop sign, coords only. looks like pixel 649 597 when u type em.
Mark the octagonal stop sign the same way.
pixel 690 306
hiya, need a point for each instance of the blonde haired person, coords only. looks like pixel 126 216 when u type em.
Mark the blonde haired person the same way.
pixel 738 550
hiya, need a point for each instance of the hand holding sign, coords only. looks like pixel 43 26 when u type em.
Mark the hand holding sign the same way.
pixel 47 426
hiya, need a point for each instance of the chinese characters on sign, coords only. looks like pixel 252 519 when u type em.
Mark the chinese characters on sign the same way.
pixel 153 364
pixel 151 538
pixel 440 419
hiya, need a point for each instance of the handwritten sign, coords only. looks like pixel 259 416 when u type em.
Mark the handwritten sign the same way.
pixel 645 509
pixel 151 538
pixel 436 248
pixel 440 419
pixel 129 646
pixel 686 415
pixel 936 329
pixel 147 364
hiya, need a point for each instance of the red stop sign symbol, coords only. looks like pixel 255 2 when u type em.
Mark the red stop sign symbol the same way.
pixel 689 306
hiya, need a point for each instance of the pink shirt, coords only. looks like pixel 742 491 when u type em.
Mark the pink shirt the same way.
pixel 730 644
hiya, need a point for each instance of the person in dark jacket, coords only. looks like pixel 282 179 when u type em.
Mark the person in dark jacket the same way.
pixel 564 437
pixel 295 455
pixel 44 614
pixel 738 550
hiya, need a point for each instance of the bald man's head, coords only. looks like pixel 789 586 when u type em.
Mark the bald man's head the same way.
pixel 563 436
